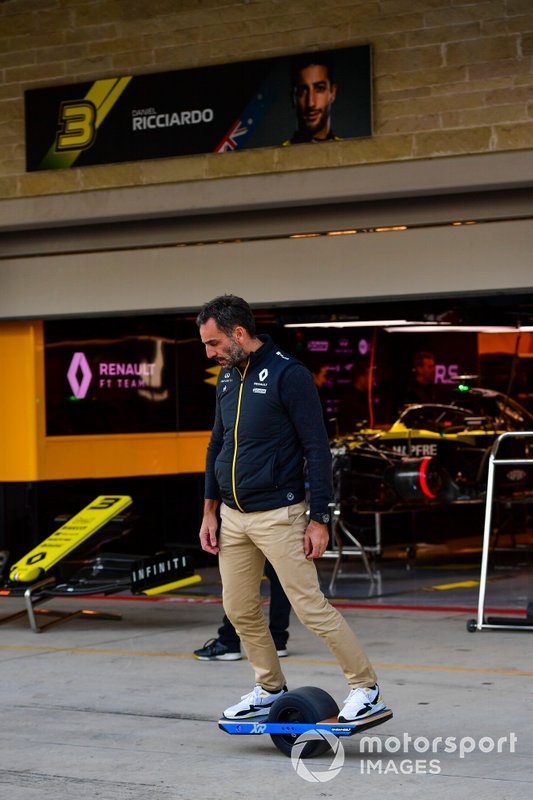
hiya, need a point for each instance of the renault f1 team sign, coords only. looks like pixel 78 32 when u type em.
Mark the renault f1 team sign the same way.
pixel 307 98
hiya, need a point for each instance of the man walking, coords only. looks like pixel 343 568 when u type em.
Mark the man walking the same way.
pixel 268 438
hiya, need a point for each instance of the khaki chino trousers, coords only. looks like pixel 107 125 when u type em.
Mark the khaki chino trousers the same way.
pixel 245 541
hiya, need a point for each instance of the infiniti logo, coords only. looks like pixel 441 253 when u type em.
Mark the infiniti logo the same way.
pixel 79 388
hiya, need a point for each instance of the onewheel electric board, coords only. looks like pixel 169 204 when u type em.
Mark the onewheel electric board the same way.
pixel 300 711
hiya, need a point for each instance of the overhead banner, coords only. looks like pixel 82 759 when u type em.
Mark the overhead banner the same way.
pixel 307 98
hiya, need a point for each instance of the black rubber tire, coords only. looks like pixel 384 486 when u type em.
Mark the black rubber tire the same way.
pixel 307 704
pixel 471 625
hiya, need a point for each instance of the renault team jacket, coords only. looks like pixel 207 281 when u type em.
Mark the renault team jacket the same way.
pixel 268 436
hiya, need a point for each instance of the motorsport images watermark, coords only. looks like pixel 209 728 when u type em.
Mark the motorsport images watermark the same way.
pixel 317 775
pixel 390 748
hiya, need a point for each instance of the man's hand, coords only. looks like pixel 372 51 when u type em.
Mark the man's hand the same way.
pixel 209 529
pixel 316 539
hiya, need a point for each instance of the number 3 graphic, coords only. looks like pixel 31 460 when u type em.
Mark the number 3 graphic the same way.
pixel 78 128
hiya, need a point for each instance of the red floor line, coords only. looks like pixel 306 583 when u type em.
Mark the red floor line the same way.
pixel 444 609
pixel 189 599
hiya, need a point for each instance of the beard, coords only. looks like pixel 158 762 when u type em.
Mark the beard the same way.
pixel 234 355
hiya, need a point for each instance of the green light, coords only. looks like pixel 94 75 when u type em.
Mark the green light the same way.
pixel 462 387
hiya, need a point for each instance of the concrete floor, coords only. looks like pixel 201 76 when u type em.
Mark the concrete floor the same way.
pixel 120 710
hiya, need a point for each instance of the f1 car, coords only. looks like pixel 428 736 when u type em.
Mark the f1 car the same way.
pixel 432 454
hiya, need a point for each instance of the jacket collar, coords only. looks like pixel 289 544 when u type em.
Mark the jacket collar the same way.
pixel 267 347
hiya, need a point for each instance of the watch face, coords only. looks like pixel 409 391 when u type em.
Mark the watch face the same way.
pixel 325 518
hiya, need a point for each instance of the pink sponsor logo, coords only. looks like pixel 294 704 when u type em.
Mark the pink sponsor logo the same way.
pixel 80 364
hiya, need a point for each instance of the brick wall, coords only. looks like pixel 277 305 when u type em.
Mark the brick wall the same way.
pixel 451 77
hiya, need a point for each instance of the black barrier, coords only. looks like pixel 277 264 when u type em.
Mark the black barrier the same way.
pixel 164 568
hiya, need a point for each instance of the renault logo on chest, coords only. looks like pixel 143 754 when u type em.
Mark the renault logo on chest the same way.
pixel 260 387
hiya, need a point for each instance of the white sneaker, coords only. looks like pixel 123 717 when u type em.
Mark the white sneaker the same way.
pixel 361 703
pixel 254 704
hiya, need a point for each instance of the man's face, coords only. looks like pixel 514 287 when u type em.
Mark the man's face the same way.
pixel 425 371
pixel 361 381
pixel 321 376
pixel 314 95
pixel 226 350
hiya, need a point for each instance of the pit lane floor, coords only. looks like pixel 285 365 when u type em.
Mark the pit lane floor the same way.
pixel 120 710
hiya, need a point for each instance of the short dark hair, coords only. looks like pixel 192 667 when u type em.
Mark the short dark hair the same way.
pixel 315 365
pixel 303 60
pixel 228 310
pixel 421 356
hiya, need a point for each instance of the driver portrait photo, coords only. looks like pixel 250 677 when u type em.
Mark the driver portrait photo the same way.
pixel 313 93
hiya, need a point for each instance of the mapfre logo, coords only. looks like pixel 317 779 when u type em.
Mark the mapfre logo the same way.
pixel 79 375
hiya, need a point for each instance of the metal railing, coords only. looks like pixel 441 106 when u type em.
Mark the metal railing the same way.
pixel 480 624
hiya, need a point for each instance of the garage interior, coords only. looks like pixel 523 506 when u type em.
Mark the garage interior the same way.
pixel 387 249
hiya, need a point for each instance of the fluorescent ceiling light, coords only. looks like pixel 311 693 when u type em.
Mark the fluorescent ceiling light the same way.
pixel 369 323
pixel 404 326
pixel 432 328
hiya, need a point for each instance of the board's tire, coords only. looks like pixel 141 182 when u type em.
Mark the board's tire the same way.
pixel 471 625
pixel 307 704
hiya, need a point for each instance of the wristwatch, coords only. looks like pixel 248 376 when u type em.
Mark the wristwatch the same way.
pixel 323 518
